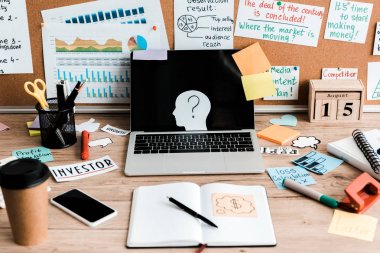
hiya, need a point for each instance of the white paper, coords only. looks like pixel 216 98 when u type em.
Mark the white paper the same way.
pixel 115 131
pixel 376 44
pixel 279 21
pixel 340 73
pixel 107 71
pixel 373 81
pixel 203 24
pixel 286 81
pixel 111 11
pixel 150 55
pixel 101 142
pixel 15 53
pixel 82 170
pixel 348 21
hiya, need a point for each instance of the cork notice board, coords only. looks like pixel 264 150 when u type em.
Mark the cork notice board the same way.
pixel 311 60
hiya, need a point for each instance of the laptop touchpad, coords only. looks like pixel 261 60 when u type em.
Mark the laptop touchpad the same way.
pixel 198 163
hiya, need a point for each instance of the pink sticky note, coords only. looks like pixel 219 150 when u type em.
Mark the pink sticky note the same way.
pixel 3 127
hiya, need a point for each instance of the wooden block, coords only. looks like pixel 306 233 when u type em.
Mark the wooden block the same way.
pixel 348 109
pixel 325 109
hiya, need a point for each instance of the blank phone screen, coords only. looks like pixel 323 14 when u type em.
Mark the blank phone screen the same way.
pixel 83 205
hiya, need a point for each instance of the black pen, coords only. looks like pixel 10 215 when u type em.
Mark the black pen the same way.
pixel 191 212
pixel 73 95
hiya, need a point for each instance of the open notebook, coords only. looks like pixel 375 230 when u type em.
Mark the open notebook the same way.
pixel 240 212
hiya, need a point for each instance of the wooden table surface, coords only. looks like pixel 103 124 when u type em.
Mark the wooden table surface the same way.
pixel 300 224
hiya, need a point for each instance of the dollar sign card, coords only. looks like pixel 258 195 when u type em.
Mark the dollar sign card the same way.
pixel 233 205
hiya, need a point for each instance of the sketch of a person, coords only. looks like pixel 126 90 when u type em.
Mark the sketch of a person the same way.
pixel 192 109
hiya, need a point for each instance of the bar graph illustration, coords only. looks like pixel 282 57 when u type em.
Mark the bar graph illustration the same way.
pixel 128 16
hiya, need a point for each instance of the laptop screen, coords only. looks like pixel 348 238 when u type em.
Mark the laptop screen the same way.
pixel 191 90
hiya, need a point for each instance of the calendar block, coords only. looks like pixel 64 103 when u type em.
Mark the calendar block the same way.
pixel 335 100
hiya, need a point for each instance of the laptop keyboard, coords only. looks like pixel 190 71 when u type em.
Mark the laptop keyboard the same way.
pixel 193 142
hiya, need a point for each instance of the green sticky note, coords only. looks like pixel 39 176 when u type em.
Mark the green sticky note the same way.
pixel 41 153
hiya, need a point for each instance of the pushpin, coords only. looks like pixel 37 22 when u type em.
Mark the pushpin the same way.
pixel 279 3
pixel 155 28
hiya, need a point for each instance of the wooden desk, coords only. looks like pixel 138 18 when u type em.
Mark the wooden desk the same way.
pixel 300 224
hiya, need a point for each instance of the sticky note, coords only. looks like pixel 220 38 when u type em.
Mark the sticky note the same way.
pixel 251 60
pixel 278 134
pixel 317 162
pixel 41 153
pixel 258 86
pixel 31 131
pixel 3 127
pixel 295 173
pixel 359 226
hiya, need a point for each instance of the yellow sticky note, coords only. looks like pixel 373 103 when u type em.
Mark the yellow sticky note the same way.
pixel 258 86
pixel 33 132
pixel 251 60
pixel 353 225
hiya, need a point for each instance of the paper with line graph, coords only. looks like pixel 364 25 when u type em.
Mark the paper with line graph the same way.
pixel 111 11
pixel 279 21
pixel 373 81
pixel 97 53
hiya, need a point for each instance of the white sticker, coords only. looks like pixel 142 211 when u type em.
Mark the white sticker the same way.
pixel 101 142
pixel 115 130
pixel 82 170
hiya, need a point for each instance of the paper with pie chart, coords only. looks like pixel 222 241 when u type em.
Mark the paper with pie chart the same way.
pixel 203 25
pixel 80 52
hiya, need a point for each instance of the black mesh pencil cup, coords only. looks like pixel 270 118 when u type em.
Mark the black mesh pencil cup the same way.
pixel 57 127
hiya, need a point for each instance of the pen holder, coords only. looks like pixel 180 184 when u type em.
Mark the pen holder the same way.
pixel 57 127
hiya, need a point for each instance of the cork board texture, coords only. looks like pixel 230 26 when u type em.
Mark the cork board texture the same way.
pixel 311 60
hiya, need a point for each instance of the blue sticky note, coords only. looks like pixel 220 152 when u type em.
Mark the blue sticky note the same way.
pixel 317 162
pixel 295 173
pixel 41 153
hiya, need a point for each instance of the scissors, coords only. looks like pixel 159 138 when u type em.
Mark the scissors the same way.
pixel 37 92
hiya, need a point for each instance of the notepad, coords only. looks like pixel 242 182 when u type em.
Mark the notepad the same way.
pixel 240 212
pixel 278 134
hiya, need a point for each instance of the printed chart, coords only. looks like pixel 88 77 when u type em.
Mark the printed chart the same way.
pixel 79 53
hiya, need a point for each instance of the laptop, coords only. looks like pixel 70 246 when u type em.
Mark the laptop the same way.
pixel 189 115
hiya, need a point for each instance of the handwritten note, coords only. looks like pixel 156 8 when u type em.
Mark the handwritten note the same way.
pixel 279 21
pixel 258 85
pixel 251 60
pixel 373 81
pixel 15 53
pixel 353 225
pixel 296 173
pixel 339 73
pixel 41 153
pixel 286 79
pixel 317 162
pixel 348 21
pixel 203 24
pixel 376 44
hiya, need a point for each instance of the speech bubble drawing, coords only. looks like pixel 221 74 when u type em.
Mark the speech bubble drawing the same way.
pixel 101 142
pixel 306 141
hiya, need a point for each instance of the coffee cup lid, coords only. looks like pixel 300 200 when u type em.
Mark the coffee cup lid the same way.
pixel 23 173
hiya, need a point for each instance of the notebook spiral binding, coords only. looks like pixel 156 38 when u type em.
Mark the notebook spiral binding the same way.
pixel 367 150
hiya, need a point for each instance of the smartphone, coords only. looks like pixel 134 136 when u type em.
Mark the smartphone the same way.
pixel 83 207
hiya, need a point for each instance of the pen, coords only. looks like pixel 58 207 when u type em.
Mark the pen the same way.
pixel 324 199
pixel 191 212
pixel 85 153
pixel 73 95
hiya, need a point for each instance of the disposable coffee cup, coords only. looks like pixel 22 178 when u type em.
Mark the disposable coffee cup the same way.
pixel 24 186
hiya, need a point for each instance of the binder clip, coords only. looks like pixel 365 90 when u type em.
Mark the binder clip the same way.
pixel 362 193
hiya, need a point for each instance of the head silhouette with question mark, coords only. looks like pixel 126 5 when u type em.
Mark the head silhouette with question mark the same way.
pixel 191 110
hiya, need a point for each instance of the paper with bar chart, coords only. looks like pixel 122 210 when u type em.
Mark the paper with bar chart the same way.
pixel 111 11
pixel 99 54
